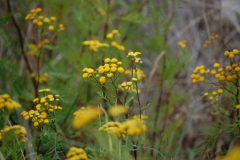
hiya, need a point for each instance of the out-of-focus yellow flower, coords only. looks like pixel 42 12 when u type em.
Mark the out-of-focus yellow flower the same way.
pixel 233 154
pixel 76 154
pixel 117 110
pixel 139 75
pixel 182 44
pixel 18 130
pixel 94 44
pixel 83 117
pixel 7 103
pixel 133 127
pixel 113 129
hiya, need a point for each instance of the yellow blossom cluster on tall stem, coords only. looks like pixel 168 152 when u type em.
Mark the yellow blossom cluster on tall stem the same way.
pixel 41 79
pixel 19 132
pixel 35 49
pixel 46 28
pixel 42 21
pixel 76 154
pixel 182 44
pixel 208 43
pixel 45 109
pixel 94 45
pixel 105 74
pixel 222 77
pixel 7 103
pixel 85 115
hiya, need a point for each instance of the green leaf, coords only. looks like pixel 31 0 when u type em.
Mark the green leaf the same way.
pixel 100 93
pixel 145 106
pixel 172 152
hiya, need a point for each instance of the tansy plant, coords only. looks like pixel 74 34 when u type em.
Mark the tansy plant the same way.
pixel 94 45
pixel 47 29
pixel 13 136
pixel 122 99
pixel 224 78
pixel 43 118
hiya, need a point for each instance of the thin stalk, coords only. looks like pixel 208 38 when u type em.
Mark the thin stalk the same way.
pixel 109 138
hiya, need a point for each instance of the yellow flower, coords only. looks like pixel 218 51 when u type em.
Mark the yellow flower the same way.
pixel 85 75
pixel 101 70
pixel 39 23
pixel 114 60
pixel 120 70
pixel 182 44
pixel 38 10
pixel 238 106
pixel 46 121
pixel 117 110
pixel 53 18
pixel 220 91
pixel 36 124
pixel 233 154
pixel 90 70
pixel 107 60
pixel 134 79
pixel 129 83
pixel 109 36
pixel 46 20
pixel 51 28
pixel 113 69
pixel 133 127
pixel 83 117
pixel 216 65
pixel 102 80
pixel 76 153
pixel 114 129
pixel 109 75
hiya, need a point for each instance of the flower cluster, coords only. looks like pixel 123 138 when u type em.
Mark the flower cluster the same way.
pixel 94 45
pixel 39 20
pixel 117 46
pixel 109 71
pixel 222 74
pixel 133 127
pixel 111 34
pixel 207 43
pixel 8 103
pixel 114 43
pixel 117 110
pixel 214 95
pixel 129 86
pixel 134 57
pixel 85 115
pixel 226 73
pixel 33 49
pixel 139 74
pixel 41 79
pixel 76 154
pixel 140 117
pixel 45 109
pixel 18 130
pixel 114 129
pixel 182 44
pixel 198 74
pixel 233 154
pixel 231 54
